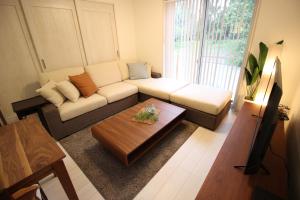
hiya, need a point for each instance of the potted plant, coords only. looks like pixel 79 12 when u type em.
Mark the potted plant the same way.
pixel 253 71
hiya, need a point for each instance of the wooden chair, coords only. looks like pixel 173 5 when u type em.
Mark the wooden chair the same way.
pixel 2 119
pixel 33 192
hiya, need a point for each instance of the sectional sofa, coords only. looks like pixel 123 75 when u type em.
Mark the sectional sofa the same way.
pixel 205 106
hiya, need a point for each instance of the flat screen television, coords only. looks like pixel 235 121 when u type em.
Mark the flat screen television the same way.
pixel 264 130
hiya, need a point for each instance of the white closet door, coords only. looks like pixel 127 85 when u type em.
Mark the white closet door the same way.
pixel 18 63
pixel 55 31
pixel 98 27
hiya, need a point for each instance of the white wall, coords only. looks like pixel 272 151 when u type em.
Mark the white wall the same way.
pixel 124 14
pixel 149 32
pixel 280 20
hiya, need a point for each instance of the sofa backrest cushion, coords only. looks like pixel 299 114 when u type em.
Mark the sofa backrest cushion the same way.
pixel 60 74
pixel 104 73
pixel 124 68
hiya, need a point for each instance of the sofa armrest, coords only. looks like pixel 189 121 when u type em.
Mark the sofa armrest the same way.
pixel 52 118
pixel 50 111
pixel 28 106
pixel 155 75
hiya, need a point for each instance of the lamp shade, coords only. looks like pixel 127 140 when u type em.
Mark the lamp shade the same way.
pixel 268 75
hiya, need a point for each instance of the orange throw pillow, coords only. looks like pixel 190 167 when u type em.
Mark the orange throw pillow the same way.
pixel 84 83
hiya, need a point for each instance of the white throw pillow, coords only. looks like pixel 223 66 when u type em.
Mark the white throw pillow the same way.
pixel 49 92
pixel 68 90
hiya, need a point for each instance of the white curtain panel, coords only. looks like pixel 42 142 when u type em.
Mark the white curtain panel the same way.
pixel 205 40
pixel 184 25
pixel 170 68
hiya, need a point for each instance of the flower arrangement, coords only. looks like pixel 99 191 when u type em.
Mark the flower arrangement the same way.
pixel 149 115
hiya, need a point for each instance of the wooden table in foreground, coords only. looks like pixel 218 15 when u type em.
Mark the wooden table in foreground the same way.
pixel 225 182
pixel 129 140
pixel 28 154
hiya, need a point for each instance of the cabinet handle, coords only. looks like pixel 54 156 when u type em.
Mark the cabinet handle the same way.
pixel 118 54
pixel 43 64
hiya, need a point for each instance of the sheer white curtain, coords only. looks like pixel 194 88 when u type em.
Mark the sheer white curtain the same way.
pixel 184 23
pixel 205 40
pixel 170 68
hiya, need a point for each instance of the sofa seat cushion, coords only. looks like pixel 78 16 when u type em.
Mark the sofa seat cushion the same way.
pixel 117 91
pixel 69 110
pixel 158 87
pixel 203 98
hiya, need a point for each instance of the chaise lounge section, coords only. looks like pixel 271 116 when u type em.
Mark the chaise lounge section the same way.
pixel 205 106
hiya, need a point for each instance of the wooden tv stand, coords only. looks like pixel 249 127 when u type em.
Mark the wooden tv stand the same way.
pixel 226 182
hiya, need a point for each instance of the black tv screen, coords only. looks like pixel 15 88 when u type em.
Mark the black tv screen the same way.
pixel 265 131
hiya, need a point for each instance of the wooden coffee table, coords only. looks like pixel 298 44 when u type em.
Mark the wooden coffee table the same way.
pixel 129 140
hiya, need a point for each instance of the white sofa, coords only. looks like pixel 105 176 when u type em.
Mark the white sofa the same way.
pixel 205 106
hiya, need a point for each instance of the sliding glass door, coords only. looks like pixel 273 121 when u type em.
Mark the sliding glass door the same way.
pixel 205 40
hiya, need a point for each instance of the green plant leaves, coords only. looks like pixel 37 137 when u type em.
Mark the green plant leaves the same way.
pixel 254 70
pixel 255 75
pixel 263 52
pixel 248 77
pixel 252 63
pixel 252 75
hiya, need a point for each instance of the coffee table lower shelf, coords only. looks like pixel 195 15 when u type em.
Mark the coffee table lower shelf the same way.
pixel 148 144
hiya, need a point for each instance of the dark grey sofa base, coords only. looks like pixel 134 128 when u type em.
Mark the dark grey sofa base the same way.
pixel 59 129
pixel 204 119
pixel 144 97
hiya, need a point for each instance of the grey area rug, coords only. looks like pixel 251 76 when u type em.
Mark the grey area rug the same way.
pixel 113 179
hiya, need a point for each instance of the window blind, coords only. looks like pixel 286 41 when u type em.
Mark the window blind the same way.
pixel 205 40
pixel 184 23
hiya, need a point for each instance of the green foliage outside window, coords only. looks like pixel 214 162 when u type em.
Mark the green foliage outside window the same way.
pixel 230 27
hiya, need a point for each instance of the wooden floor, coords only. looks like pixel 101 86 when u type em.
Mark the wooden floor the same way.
pixel 180 178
